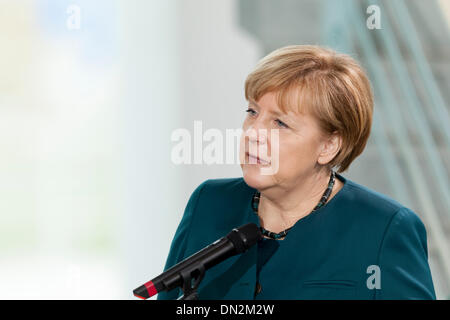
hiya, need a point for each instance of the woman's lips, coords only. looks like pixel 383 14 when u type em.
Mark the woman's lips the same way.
pixel 257 159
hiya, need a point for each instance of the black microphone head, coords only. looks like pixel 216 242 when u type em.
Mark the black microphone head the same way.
pixel 245 236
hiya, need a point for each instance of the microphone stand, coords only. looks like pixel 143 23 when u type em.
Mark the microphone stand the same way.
pixel 189 290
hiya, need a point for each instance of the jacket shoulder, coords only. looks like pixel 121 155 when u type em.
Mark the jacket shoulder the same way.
pixel 370 204
pixel 369 211
pixel 368 207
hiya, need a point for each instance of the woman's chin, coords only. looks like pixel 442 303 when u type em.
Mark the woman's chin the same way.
pixel 253 177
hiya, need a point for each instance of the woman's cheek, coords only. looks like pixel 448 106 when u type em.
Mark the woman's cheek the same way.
pixel 242 149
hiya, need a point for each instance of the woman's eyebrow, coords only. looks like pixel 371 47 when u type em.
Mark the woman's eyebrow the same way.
pixel 254 103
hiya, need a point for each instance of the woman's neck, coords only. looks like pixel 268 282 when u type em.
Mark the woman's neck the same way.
pixel 280 208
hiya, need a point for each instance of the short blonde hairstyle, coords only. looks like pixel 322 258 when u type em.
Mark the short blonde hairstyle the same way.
pixel 331 86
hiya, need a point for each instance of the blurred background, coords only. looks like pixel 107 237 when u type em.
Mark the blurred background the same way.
pixel 91 92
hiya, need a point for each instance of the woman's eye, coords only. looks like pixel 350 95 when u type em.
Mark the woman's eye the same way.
pixel 250 111
pixel 281 123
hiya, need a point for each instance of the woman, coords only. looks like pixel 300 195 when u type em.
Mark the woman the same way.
pixel 325 236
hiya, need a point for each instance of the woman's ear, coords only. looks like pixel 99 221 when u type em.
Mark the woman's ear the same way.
pixel 330 148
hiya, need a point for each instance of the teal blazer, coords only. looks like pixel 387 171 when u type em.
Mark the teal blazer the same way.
pixel 360 245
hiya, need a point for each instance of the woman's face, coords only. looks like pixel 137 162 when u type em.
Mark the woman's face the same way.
pixel 285 161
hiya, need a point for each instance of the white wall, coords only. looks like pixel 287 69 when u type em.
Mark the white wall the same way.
pixel 183 61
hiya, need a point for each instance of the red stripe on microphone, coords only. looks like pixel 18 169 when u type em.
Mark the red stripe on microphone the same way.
pixel 150 288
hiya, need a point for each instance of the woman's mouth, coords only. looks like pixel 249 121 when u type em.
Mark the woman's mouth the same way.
pixel 256 160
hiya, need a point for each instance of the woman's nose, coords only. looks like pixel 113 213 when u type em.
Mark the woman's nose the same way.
pixel 257 134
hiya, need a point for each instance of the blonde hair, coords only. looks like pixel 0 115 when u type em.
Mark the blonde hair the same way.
pixel 331 86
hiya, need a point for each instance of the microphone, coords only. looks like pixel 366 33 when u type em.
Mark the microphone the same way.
pixel 237 241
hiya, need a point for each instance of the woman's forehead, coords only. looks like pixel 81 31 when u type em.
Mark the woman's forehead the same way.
pixel 290 100
pixel 278 105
